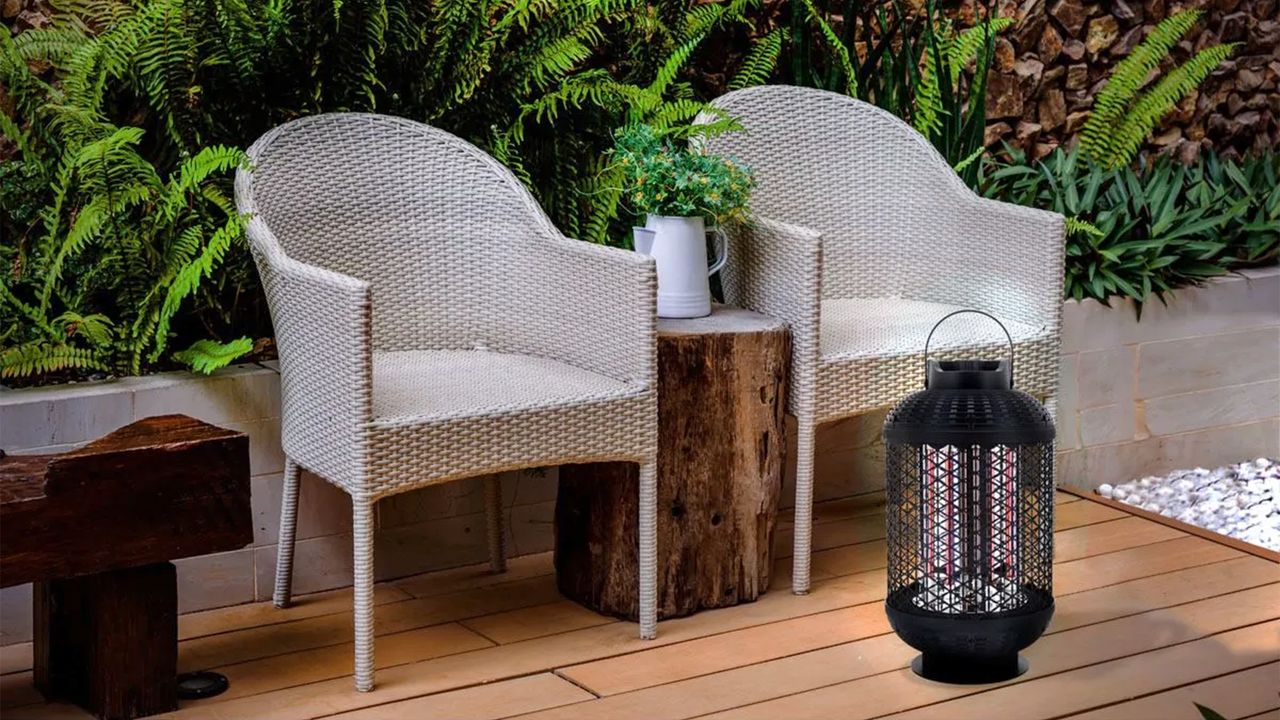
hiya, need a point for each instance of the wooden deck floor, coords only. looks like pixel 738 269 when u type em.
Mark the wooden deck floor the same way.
pixel 1149 619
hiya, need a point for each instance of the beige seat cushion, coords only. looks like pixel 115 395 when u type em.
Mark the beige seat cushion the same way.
pixel 428 385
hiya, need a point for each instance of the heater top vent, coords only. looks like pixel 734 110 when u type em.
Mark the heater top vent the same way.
pixel 969 416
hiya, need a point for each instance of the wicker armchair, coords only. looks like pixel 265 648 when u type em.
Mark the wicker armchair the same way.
pixel 432 325
pixel 863 238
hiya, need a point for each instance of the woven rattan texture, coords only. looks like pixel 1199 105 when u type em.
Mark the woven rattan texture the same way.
pixel 432 324
pixel 862 236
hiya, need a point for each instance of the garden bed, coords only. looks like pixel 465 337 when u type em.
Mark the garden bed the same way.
pixel 1240 500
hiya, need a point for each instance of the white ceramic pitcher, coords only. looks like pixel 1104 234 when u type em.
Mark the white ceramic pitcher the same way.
pixel 679 247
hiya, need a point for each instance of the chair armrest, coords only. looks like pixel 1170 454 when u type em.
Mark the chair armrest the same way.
pixel 1016 264
pixel 588 305
pixel 775 268
pixel 322 323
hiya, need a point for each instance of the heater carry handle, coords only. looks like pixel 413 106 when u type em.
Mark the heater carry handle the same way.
pixel 961 312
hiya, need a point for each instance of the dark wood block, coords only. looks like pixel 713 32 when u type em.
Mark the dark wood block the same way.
pixel 95 528
pixel 721 408
pixel 160 489
pixel 109 641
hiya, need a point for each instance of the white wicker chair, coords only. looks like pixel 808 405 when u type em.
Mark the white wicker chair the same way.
pixel 862 238
pixel 432 324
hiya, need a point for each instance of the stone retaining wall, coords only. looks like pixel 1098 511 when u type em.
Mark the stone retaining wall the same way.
pixel 1193 383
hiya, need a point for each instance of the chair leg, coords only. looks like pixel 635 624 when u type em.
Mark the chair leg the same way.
pixel 648 550
pixel 800 558
pixel 283 594
pixel 493 516
pixel 362 531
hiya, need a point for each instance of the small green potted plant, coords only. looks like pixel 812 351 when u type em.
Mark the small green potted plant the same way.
pixel 679 190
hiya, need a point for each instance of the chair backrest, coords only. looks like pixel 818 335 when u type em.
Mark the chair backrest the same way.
pixel 845 168
pixel 414 211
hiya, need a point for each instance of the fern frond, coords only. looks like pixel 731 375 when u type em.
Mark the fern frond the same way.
pixel 966 45
pixel 42 358
pixel 1077 226
pixel 1127 79
pixel 967 161
pixel 206 356
pixel 672 65
pixel 838 47
pixel 758 66
pixel 190 276
pixel 927 109
pixel 94 327
pixel 194 171
pixel 1153 105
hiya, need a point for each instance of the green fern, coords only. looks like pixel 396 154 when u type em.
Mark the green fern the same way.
pixel 968 44
pixel 1122 115
pixel 759 62
pixel 949 52
pixel 43 358
pixel 1149 109
pixel 206 356
pixel 837 46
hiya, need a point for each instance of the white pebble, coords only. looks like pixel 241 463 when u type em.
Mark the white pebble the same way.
pixel 1242 500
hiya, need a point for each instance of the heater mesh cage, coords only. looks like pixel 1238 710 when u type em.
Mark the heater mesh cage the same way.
pixel 970 528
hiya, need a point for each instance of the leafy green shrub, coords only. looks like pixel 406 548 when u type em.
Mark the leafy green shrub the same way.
pixel 1135 232
pixel 660 178
pixel 914 65
pixel 108 245
pixel 116 170
pixel 1123 115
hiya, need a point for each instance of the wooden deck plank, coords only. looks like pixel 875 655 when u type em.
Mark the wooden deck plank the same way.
pixel 1100 538
pixel 535 622
pixel 1079 690
pixel 720 653
pixel 522 658
pixel 334 661
pixel 491 664
pixel 1113 571
pixel 228 635
pixel 868 527
pixel 1240 694
pixel 240 617
pixel 1157 559
pixel 16 690
pixel 483 702
pixel 49 711
pixel 239 646
pixel 472 577
pixel 1083 649
pixel 667 664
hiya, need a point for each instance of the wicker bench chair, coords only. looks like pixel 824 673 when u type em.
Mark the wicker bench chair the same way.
pixel 864 237
pixel 433 324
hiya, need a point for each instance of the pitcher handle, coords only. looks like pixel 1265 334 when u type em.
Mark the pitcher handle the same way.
pixel 721 244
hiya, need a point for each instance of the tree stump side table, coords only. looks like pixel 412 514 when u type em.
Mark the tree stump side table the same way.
pixel 721 413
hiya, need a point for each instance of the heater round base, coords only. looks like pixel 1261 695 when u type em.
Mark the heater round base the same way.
pixel 966 671
pixel 968 648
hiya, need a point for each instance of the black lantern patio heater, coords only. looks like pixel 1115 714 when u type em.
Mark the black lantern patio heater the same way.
pixel 969 487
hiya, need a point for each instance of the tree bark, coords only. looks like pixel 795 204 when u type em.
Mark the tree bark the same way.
pixel 721 407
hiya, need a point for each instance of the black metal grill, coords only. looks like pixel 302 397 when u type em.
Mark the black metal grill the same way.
pixel 970 528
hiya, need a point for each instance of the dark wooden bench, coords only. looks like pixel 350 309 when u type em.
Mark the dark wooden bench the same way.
pixel 95 529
